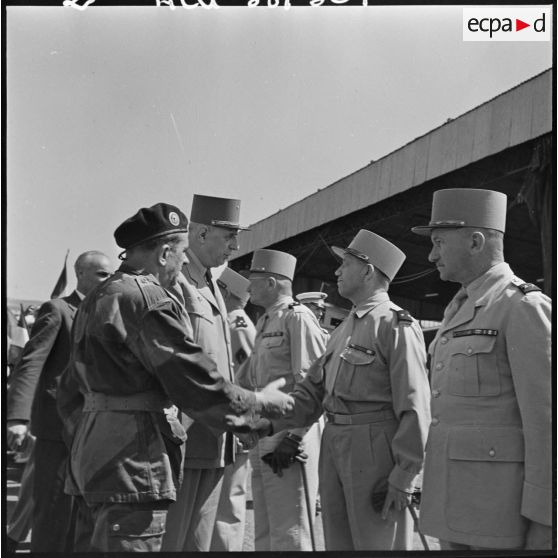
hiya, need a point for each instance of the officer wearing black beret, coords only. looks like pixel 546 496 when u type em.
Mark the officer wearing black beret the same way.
pixel 133 357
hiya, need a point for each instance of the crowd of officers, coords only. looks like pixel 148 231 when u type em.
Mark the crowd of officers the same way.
pixel 153 397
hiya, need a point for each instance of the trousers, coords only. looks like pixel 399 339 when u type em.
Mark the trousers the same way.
pixel 191 518
pixel 53 515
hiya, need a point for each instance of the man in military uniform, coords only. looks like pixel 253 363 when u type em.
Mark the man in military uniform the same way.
pixel 133 356
pixel 228 534
pixel 372 384
pixel 288 340
pixel 213 237
pixel 488 476
pixel 315 301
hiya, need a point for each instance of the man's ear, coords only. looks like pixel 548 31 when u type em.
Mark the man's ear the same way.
pixel 163 254
pixel 369 270
pixel 477 241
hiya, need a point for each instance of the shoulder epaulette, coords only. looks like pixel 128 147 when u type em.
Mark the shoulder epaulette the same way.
pixel 404 316
pixel 293 305
pixel 525 287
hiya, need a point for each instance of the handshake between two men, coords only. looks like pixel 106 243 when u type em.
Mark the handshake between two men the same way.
pixel 251 427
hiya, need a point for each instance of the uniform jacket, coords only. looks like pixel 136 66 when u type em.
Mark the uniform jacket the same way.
pixel 288 340
pixel 207 449
pixel 32 392
pixel 130 337
pixel 488 464
pixel 375 360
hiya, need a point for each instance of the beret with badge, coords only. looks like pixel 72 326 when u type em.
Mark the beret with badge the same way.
pixel 148 223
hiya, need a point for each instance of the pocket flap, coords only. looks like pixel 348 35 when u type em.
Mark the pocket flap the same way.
pixel 272 339
pixel 486 444
pixel 357 355
pixel 472 345
pixel 196 306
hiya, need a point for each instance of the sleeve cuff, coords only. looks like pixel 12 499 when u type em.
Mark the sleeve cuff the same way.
pixel 402 480
pixel 536 503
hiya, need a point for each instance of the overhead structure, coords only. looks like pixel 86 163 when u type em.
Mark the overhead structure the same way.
pixel 505 144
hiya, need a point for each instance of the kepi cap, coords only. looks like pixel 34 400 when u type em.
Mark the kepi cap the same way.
pixel 158 220
pixel 376 250
pixel 219 212
pixel 466 207
pixel 234 283
pixel 273 261
pixel 316 298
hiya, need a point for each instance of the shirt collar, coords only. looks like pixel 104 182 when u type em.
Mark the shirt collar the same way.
pixel 364 307
pixel 126 268
pixel 480 285
pixel 280 303
pixel 80 295
pixel 196 261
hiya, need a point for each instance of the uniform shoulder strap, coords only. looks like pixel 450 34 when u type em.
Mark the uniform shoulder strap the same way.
pixel 404 317
pixel 525 287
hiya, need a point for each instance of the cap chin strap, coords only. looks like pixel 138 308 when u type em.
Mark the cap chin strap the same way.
pixel 357 254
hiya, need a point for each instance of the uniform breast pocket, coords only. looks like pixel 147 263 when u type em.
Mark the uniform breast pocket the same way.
pixel 355 373
pixel 200 313
pixel 273 342
pixel 473 370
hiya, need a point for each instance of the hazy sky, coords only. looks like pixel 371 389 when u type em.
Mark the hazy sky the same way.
pixel 116 108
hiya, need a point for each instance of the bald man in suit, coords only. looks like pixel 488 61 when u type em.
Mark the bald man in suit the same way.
pixel 32 408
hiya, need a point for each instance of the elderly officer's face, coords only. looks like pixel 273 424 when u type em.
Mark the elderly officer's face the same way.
pixel 219 244
pixel 450 253
pixel 350 277
pixel 176 258
pixel 258 289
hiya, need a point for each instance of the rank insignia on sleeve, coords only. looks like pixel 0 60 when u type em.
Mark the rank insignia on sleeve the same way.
pixel 240 322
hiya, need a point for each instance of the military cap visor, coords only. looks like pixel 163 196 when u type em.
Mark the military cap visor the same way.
pixel 217 212
pixel 340 253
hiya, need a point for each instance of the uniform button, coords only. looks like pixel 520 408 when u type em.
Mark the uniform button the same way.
pixel 435 421
pixel 492 453
pixel 439 365
pixel 443 340
pixel 469 350
pixel 435 393
pixel 116 527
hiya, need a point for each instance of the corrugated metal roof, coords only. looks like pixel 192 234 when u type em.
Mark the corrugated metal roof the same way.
pixel 516 116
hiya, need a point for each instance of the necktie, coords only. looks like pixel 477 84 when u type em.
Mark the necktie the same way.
pixel 209 281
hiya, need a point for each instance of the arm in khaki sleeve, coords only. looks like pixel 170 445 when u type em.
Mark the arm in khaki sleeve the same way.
pixel 411 403
pixel 307 345
pixel 308 395
pixel 528 343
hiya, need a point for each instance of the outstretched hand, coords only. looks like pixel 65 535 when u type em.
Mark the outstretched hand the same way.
pixel 272 402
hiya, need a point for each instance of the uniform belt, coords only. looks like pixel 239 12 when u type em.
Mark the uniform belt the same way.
pixel 143 401
pixel 360 418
